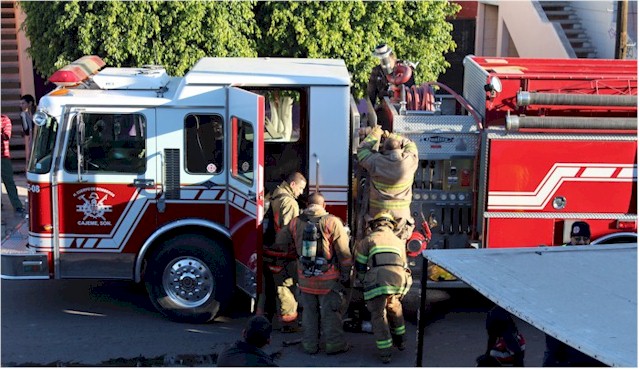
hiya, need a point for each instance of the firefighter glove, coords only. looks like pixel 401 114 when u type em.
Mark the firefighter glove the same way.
pixel 377 132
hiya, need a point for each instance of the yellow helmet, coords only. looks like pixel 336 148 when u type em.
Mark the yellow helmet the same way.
pixel 384 216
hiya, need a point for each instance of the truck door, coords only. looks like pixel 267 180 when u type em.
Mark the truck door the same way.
pixel 246 173
pixel 106 185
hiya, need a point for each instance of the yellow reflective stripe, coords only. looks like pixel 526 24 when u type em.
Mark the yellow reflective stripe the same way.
pixel 384 249
pixel 390 204
pixel 399 330
pixel 387 289
pixel 363 153
pixel 411 147
pixel 383 186
pixel 371 139
pixel 361 258
pixel 383 344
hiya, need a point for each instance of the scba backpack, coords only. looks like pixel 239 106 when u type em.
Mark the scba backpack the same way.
pixel 312 257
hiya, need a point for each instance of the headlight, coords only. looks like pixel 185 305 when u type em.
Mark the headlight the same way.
pixel 40 118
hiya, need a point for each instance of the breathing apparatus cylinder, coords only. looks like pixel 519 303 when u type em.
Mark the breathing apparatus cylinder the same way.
pixel 310 238
pixel 314 263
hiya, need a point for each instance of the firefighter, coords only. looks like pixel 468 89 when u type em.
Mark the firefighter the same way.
pixel 378 86
pixel 324 266
pixel 284 206
pixel 381 266
pixel 391 172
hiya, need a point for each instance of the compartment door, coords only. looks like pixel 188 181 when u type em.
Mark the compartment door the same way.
pixel 246 173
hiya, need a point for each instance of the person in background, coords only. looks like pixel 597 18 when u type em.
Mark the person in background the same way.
pixel 505 344
pixel 281 266
pixel 27 109
pixel 324 263
pixel 248 351
pixel 382 270
pixel 7 167
pixel 580 233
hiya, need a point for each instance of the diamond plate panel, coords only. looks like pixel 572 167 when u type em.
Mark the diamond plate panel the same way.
pixel 475 77
pixel 421 123
pixel 435 146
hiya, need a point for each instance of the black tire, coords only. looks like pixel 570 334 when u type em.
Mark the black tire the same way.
pixel 190 278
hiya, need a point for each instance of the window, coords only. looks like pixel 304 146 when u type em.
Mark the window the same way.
pixel 44 140
pixel 282 114
pixel 111 143
pixel 243 151
pixel 204 143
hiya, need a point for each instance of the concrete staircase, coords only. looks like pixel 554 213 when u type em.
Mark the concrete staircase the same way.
pixel 10 88
pixel 562 13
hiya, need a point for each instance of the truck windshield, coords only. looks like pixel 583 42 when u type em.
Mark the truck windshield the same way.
pixel 44 140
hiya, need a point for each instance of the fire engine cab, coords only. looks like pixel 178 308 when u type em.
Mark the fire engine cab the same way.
pixel 138 175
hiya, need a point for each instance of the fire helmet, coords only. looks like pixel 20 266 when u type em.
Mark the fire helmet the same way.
pixel 385 54
pixel 383 216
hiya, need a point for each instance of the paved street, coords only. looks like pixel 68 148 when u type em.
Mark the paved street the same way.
pixel 112 323
pixel 94 323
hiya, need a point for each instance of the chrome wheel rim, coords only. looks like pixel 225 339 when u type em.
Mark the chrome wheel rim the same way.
pixel 188 281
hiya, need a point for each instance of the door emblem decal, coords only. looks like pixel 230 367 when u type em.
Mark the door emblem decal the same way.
pixel 93 206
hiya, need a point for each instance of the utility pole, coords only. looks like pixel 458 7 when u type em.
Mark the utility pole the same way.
pixel 621 29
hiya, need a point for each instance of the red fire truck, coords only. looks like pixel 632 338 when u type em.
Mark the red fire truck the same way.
pixel 141 176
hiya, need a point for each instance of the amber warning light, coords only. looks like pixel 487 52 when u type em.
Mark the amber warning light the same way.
pixel 78 71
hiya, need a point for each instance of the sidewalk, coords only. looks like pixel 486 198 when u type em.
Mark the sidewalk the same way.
pixel 9 219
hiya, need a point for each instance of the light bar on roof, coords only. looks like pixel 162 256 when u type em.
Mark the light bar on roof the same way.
pixel 78 71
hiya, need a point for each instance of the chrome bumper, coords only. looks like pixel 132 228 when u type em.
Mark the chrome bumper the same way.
pixel 19 262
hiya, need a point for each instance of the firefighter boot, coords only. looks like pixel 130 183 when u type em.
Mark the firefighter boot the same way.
pixel 384 356
pixel 333 349
pixel 310 349
pixel 290 327
pixel 398 341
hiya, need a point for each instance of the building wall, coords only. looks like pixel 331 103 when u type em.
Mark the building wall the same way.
pixel 599 20
pixel 508 28
pixel 487 30
pixel 469 9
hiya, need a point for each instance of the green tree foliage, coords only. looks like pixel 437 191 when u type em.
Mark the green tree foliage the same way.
pixel 178 33
pixel 175 34
pixel 416 30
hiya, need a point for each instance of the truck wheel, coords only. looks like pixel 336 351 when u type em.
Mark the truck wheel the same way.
pixel 190 278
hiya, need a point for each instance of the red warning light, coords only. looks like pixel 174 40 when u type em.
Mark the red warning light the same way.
pixel 78 71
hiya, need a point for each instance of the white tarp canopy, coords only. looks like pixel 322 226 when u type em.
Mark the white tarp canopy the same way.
pixel 585 296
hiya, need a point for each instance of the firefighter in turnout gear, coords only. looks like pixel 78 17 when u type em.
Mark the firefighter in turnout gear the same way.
pixel 391 174
pixel 282 265
pixel 324 266
pixel 386 73
pixel 381 266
